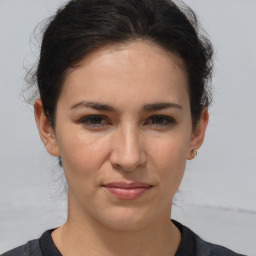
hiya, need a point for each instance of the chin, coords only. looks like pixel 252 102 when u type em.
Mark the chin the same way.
pixel 127 219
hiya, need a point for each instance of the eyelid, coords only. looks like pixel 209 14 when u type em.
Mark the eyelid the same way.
pixel 100 121
pixel 86 121
pixel 166 119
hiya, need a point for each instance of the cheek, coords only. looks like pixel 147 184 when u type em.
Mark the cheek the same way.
pixel 169 159
pixel 171 149
pixel 82 152
pixel 171 163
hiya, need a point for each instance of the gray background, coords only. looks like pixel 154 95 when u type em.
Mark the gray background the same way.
pixel 217 196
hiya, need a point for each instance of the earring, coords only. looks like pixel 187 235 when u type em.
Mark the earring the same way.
pixel 195 152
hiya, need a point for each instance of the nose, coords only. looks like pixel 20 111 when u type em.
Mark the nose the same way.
pixel 127 149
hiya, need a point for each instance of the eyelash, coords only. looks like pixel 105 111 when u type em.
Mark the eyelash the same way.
pixel 164 120
pixel 155 121
pixel 90 121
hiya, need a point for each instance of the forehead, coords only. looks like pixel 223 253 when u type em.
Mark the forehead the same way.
pixel 128 70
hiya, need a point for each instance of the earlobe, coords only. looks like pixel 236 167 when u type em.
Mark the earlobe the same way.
pixel 198 134
pixel 45 129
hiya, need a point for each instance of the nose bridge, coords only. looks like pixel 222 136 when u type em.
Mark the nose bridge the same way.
pixel 127 148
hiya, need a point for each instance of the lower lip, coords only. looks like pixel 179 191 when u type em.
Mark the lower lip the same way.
pixel 127 193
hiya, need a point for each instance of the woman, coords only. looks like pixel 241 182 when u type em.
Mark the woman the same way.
pixel 123 104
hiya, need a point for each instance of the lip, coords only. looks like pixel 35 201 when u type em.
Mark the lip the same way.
pixel 127 191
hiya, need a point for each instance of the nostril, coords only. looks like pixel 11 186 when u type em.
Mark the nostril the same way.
pixel 117 167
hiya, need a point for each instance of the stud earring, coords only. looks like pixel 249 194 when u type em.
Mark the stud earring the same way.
pixel 195 152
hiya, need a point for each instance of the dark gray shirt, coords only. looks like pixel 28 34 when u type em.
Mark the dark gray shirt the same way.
pixel 191 245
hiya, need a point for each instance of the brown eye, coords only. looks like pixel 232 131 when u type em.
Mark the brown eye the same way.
pixel 159 120
pixel 94 121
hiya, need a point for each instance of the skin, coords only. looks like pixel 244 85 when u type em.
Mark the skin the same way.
pixel 130 142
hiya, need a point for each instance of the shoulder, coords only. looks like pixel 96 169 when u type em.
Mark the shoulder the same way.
pixel 206 248
pixel 192 244
pixel 31 248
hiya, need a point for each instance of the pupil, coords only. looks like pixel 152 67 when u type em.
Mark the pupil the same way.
pixel 158 120
pixel 96 120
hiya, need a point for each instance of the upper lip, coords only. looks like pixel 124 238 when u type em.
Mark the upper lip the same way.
pixel 127 185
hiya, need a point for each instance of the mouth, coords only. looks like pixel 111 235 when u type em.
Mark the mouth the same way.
pixel 127 191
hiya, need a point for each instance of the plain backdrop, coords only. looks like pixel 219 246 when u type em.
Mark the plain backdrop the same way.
pixel 217 196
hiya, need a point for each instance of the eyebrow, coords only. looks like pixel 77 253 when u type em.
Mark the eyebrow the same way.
pixel 161 106
pixel 105 107
pixel 93 105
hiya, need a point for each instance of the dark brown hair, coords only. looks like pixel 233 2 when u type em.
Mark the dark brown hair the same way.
pixel 85 25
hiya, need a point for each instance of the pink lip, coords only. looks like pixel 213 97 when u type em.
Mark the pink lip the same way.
pixel 127 191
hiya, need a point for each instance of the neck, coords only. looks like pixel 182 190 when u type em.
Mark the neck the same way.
pixel 83 235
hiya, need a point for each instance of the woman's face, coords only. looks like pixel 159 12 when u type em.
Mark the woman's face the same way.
pixel 124 132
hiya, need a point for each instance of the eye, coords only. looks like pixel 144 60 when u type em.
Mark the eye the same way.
pixel 94 121
pixel 159 121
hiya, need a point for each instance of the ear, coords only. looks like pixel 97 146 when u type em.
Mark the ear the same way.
pixel 45 129
pixel 198 133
